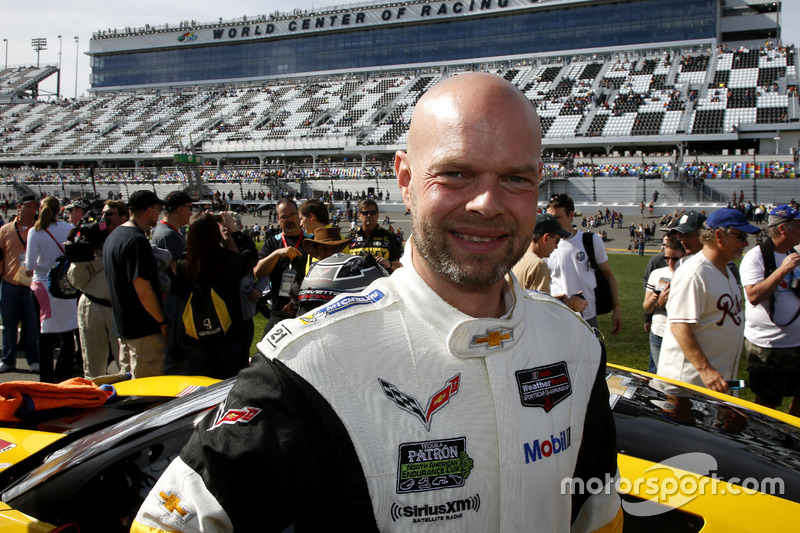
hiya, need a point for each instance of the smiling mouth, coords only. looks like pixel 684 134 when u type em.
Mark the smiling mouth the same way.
pixel 475 238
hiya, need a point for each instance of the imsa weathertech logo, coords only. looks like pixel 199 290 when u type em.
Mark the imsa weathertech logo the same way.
pixel 545 386
pixel 433 465
pixel 452 510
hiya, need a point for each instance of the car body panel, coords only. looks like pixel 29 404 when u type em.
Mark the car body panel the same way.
pixel 18 444
pixel 714 500
pixel 162 385
pixel 12 521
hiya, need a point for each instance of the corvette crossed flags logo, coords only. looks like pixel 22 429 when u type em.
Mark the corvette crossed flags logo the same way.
pixel 408 403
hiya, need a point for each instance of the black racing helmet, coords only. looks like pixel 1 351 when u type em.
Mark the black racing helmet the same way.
pixel 334 275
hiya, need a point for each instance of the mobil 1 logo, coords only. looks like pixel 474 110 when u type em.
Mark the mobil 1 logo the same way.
pixel 433 465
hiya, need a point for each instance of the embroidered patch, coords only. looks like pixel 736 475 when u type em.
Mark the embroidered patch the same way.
pixel 277 334
pixel 340 305
pixel 436 512
pixel 433 465
pixel 173 504
pixel 542 449
pixel 236 416
pixel 410 404
pixel 493 339
pixel 544 386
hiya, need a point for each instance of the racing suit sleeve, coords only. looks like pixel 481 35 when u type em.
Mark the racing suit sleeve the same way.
pixel 273 455
pixel 597 459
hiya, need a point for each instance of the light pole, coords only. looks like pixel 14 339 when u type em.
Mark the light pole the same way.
pixel 38 44
pixel 58 83
pixel 77 48
pixel 6 41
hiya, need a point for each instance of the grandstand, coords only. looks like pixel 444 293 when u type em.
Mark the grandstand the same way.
pixel 714 97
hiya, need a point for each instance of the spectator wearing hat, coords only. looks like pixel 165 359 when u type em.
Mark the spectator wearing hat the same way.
pixel 533 273
pixel 134 289
pixel 325 243
pixel 371 239
pixel 76 210
pixel 16 298
pixel 167 233
pixel 688 230
pixel 705 319
pixel 772 308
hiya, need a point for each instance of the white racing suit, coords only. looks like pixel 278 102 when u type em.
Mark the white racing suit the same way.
pixel 391 410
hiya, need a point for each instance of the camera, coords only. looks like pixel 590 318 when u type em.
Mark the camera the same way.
pixel 87 237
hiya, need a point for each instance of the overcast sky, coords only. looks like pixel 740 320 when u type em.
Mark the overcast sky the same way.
pixel 22 22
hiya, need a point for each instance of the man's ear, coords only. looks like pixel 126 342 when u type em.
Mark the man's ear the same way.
pixel 402 169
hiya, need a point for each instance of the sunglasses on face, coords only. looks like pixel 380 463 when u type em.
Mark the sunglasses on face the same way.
pixel 369 213
pixel 741 236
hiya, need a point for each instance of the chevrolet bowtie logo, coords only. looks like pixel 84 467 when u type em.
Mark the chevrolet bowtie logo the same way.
pixel 172 503
pixel 493 339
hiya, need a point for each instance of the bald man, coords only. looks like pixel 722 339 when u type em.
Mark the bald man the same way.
pixel 469 409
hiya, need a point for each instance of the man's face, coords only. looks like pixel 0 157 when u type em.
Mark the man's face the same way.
pixel 792 232
pixel 564 218
pixel 75 215
pixel 547 244
pixel 114 218
pixel 733 242
pixel 691 241
pixel 470 179
pixel 368 217
pixel 288 219
pixel 184 213
pixel 27 212
pixel 152 214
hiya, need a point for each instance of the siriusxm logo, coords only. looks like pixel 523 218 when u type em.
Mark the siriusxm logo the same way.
pixel 537 449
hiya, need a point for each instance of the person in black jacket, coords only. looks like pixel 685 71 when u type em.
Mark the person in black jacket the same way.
pixel 208 277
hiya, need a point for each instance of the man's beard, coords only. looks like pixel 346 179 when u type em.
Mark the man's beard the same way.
pixel 472 270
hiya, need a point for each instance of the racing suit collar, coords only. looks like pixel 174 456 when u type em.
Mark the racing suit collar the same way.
pixel 465 336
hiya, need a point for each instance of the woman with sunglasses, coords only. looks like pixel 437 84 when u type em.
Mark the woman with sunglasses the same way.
pixel 656 295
